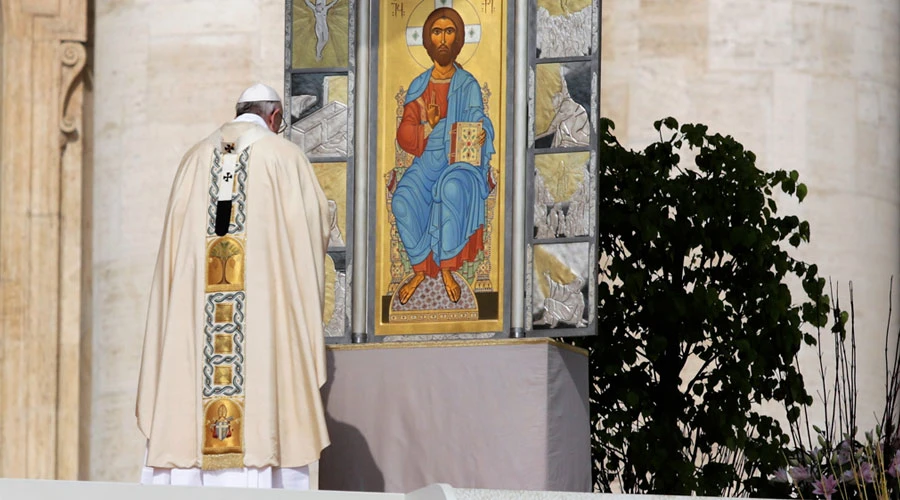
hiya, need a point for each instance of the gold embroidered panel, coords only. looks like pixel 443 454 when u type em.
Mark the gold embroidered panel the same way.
pixel 224 333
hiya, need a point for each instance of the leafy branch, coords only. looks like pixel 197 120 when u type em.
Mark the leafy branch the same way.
pixel 697 323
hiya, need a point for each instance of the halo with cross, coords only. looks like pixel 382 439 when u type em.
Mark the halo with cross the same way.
pixel 417 19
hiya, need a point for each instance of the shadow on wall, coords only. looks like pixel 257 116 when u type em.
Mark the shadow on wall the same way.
pixel 348 464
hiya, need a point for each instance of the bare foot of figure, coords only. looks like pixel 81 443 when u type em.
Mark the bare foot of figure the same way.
pixel 451 285
pixel 407 290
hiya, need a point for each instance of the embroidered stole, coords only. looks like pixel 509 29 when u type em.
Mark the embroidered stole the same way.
pixel 225 305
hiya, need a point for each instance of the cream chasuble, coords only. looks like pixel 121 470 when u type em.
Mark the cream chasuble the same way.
pixel 234 353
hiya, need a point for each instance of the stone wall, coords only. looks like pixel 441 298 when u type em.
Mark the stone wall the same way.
pixel 42 60
pixel 812 86
pixel 166 74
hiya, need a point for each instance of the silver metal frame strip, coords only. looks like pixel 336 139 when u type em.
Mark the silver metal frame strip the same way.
pixel 517 302
pixel 361 155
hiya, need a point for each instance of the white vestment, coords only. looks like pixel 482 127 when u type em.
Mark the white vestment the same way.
pixel 234 354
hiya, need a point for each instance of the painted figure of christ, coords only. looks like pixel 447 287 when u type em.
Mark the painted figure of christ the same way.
pixel 439 204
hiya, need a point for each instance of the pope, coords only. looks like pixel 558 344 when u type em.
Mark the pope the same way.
pixel 233 354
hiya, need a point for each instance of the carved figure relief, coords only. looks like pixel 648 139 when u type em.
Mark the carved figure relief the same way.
pixel 564 28
pixel 567 178
pixel 335 323
pixel 562 98
pixel 334 239
pixel 560 285
pixel 320 12
pixel 320 31
pixel 564 305
pixel 570 125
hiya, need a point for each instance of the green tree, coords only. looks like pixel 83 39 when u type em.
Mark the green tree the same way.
pixel 696 322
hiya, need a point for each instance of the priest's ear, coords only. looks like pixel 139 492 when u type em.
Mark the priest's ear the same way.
pixel 275 121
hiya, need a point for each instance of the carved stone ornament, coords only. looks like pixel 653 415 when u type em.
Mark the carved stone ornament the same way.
pixel 73 57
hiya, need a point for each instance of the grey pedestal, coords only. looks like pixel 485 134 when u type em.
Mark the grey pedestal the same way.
pixel 501 414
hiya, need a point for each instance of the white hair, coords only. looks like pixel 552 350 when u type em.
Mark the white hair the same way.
pixel 261 108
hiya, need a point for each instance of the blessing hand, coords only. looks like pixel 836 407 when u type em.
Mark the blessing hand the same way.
pixel 432 111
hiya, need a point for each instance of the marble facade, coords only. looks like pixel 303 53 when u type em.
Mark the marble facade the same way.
pixel 41 279
pixel 812 86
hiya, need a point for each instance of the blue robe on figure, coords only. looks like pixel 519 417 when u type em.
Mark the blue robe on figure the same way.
pixel 438 205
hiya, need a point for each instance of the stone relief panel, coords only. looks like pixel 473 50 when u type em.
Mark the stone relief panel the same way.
pixel 562 143
pixel 562 105
pixel 563 195
pixel 319 105
pixel 320 33
pixel 319 95
pixel 335 313
pixel 333 179
pixel 560 286
pixel 564 28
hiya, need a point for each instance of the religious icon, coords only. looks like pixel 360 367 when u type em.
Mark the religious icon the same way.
pixel 221 428
pixel 439 203
pixel 223 434
pixel 441 157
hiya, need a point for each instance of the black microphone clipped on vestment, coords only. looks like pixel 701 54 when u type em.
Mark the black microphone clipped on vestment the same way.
pixel 223 217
